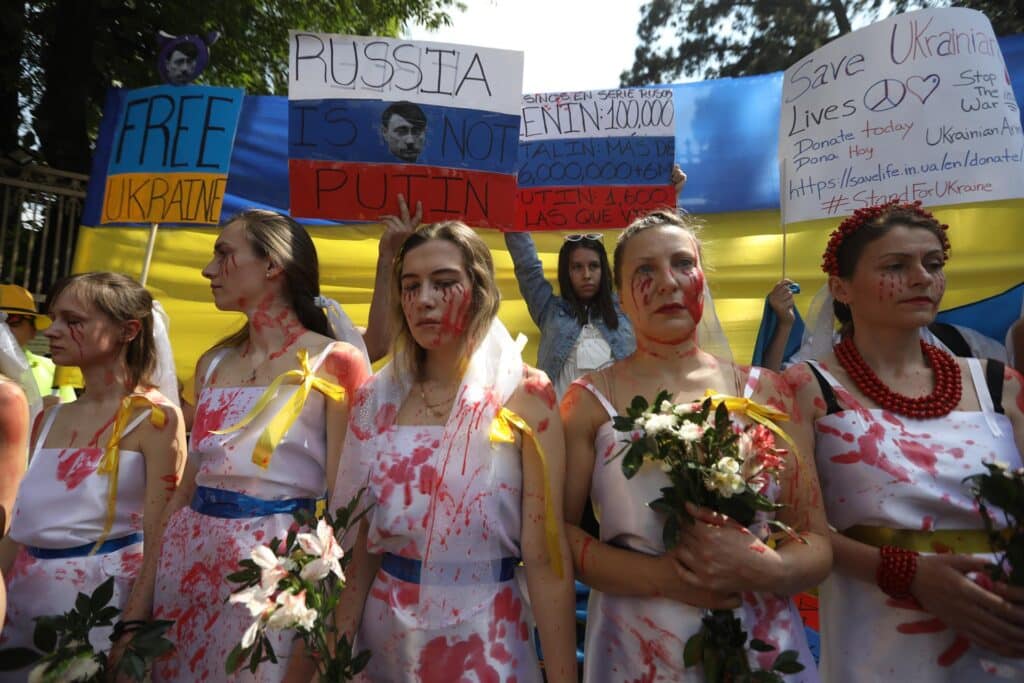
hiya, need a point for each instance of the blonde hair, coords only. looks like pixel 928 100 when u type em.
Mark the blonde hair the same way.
pixel 656 219
pixel 121 299
pixel 479 267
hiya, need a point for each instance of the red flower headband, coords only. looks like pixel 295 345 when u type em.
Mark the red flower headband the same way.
pixel 862 217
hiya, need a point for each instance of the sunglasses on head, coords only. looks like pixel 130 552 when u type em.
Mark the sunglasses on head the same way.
pixel 593 236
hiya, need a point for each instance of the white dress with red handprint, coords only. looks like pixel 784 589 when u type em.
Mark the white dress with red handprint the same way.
pixel 200 550
pixel 448 604
pixel 62 504
pixel 642 639
pixel 878 469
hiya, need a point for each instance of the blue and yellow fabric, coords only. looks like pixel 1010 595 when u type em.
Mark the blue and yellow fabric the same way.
pixel 726 130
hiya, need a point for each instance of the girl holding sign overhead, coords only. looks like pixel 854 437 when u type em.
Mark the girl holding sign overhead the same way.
pixel 584 328
pixel 896 424
pixel 461 451
pixel 281 373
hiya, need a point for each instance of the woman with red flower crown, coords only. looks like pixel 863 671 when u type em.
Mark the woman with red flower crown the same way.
pixel 896 425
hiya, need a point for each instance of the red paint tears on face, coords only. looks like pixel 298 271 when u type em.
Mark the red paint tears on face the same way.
pixel 642 287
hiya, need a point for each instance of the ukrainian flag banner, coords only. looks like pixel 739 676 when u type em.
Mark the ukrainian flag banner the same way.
pixel 726 138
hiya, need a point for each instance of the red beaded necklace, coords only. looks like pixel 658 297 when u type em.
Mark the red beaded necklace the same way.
pixel 943 399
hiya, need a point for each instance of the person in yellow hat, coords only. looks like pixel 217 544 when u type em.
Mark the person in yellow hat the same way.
pixel 25 321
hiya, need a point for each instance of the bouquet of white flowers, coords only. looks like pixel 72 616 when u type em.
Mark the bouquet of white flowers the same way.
pixel 66 654
pixel 713 463
pixel 296 584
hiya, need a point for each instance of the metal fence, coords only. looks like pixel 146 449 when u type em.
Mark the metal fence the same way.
pixel 41 210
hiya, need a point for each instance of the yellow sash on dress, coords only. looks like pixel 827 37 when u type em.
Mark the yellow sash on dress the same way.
pixel 501 432
pixel 965 541
pixel 110 463
pixel 289 412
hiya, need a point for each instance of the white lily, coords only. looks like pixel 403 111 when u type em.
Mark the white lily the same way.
pixel 272 567
pixel 292 612
pixel 255 598
pixel 324 547
pixel 249 637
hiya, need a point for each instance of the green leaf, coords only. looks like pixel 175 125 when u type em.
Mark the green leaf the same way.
pixel 760 646
pixel 134 666
pixel 234 660
pixel 637 406
pixel 16 658
pixel 787 662
pixel 360 661
pixel 102 595
pixel 693 652
pixel 45 636
pixel 632 462
pixel 82 604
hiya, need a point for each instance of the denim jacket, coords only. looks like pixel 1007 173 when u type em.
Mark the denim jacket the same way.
pixel 559 328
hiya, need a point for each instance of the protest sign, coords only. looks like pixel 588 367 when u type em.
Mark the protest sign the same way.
pixel 916 107
pixel 594 159
pixel 170 155
pixel 372 118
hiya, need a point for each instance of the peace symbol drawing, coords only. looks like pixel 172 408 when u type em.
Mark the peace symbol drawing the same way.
pixel 889 93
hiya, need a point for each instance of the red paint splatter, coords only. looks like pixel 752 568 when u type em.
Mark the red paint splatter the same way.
pixel 74 465
pixel 927 522
pixel 827 429
pixel 869 454
pixel 214 407
pixel 442 661
pixel 171 480
pixel 537 384
pixel 385 417
pixel 542 426
pixel 918 454
pixel 583 554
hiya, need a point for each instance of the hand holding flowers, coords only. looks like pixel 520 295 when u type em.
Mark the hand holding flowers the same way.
pixel 296 584
pixel 720 476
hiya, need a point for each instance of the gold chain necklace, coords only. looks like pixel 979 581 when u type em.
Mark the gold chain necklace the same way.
pixel 436 409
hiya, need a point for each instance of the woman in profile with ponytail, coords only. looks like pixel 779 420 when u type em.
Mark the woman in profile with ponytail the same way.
pixel 242 483
pixel 90 504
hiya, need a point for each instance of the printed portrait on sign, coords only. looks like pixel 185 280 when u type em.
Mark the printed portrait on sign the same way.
pixel 403 125
pixel 182 58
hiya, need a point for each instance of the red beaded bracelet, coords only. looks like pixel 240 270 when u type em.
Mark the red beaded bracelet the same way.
pixel 896 570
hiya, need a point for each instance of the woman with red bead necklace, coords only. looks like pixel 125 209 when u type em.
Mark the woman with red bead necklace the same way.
pixel 897 425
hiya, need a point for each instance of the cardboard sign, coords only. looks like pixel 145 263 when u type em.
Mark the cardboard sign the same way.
pixel 170 155
pixel 594 159
pixel 916 107
pixel 372 118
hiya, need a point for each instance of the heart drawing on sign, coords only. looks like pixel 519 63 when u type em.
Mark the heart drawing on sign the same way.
pixel 923 86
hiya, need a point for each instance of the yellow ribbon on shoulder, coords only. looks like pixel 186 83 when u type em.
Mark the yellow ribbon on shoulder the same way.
pixel 501 432
pixel 110 463
pixel 289 412
pixel 761 414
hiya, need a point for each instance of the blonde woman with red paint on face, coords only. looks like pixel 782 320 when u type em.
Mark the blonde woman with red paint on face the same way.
pixel 647 601
pixel 103 466
pixel 896 425
pixel 241 487
pixel 460 448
